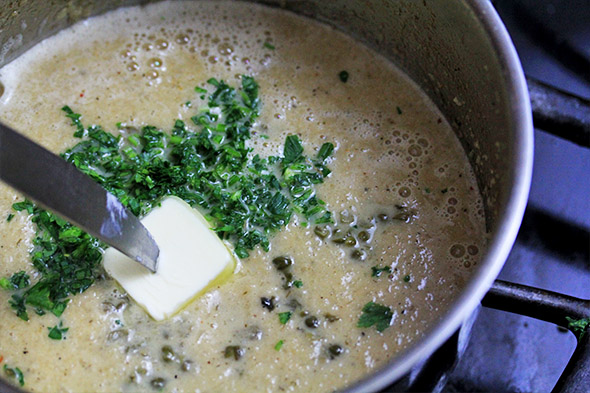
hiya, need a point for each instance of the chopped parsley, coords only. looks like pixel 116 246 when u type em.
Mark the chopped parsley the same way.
pixel 284 317
pixel 19 280
pixel 58 332
pixel 578 326
pixel 298 283
pixel 5 283
pixel 375 314
pixel 9 217
pixel 343 75
pixel 399 110
pixel 268 45
pixel 15 373
pixel 279 345
pixel 377 271
pixel 207 162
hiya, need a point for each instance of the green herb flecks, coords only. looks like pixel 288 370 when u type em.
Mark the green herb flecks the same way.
pixel 57 332
pixel 9 217
pixel 206 162
pixel 15 373
pixel 297 283
pixel 375 314
pixel 377 271
pixel 268 45
pixel 284 317
pixel 578 326
pixel 18 280
pixel 279 345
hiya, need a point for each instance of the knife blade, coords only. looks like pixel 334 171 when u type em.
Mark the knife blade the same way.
pixel 59 186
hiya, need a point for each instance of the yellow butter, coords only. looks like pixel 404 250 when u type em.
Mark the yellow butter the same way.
pixel 192 258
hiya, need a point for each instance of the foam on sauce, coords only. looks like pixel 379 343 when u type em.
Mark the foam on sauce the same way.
pixel 140 66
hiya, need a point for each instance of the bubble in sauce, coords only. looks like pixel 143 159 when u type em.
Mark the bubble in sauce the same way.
pixel 162 44
pixel 415 150
pixel 457 250
pixel 155 62
pixel 405 192
pixel 182 39
pixel 153 74
pixel 133 66
pixel 472 249
pixel 225 48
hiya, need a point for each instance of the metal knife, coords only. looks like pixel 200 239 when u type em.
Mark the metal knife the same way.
pixel 60 187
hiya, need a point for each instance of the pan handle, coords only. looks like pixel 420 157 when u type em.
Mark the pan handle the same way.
pixel 560 113
pixel 550 307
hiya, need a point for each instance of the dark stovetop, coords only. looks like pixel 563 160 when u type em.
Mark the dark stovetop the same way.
pixel 509 352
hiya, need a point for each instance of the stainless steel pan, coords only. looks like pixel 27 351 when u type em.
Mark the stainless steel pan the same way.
pixel 458 51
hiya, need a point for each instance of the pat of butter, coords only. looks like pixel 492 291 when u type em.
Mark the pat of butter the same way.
pixel 192 259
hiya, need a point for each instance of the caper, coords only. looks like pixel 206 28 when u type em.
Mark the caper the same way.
pixel 312 322
pixel 331 317
pixel 350 241
pixel 108 307
pixel 254 333
pixel 168 354
pixel 364 236
pixel 405 216
pixel 141 371
pixel 339 236
pixel 186 365
pixel 335 350
pixel 282 263
pixel 294 304
pixel 234 351
pixel 118 334
pixel 158 383
pixel 346 217
pixel 359 254
pixel 268 303
pixel 322 231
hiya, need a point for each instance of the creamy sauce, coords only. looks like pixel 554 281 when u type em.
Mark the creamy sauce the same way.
pixel 140 66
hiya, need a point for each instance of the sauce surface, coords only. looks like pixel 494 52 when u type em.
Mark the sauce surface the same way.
pixel 139 66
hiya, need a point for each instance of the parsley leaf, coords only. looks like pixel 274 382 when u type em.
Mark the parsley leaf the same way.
pixel 377 270
pixel 578 326
pixel 5 283
pixel 284 317
pixel 292 150
pixel 19 280
pixel 375 314
pixel 279 345
pixel 57 332
pixel 15 373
